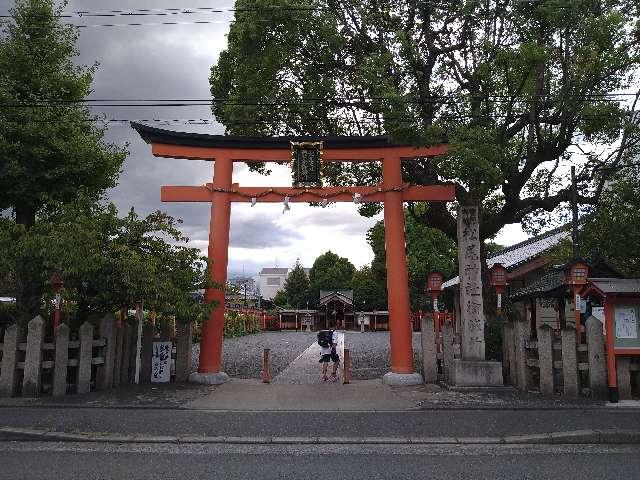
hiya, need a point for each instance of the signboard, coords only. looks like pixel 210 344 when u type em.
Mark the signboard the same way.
pixel 161 362
pixel 307 321
pixel 625 321
pixel 306 158
pixel 364 320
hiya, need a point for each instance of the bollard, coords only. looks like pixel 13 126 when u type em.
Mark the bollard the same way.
pixel 266 375
pixel 347 366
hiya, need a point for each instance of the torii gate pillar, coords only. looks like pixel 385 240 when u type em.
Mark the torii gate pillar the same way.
pixel 210 363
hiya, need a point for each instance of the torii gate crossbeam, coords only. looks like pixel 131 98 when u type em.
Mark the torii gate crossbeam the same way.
pixel 225 150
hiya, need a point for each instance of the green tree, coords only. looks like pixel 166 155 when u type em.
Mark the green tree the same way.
pixel 330 272
pixel 511 86
pixel 50 148
pixel 428 249
pixel 368 293
pixel 296 287
pixel 281 299
pixel 614 231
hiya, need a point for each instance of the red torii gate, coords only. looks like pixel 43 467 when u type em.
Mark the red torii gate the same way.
pixel 224 150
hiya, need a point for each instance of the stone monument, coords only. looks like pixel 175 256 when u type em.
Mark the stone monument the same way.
pixel 472 370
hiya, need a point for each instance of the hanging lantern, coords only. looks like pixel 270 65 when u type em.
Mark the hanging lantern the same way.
pixel 434 287
pixel 498 280
pixel 575 277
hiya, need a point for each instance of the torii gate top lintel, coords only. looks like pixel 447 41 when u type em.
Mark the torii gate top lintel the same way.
pixel 200 146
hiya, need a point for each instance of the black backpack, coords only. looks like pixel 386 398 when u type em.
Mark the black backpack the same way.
pixel 324 338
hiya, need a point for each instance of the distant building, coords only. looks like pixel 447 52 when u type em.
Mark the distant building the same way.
pixel 271 281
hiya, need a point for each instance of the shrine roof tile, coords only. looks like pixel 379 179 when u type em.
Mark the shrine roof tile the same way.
pixel 626 286
pixel 514 256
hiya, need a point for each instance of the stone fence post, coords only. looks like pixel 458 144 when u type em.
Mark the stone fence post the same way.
pixel 61 363
pixel 32 383
pixel 104 377
pixel 569 361
pixel 428 339
pixel 545 359
pixel 8 377
pixel 597 361
pixel 184 344
pixel 447 350
pixel 146 352
pixel 624 377
pixel 84 358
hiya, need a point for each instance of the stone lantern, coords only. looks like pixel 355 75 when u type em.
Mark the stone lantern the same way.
pixel 434 287
pixel 498 279
pixel 575 277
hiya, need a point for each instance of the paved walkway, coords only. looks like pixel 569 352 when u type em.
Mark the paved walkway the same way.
pixel 306 369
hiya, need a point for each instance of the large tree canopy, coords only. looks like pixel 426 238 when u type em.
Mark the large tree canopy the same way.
pixel 518 89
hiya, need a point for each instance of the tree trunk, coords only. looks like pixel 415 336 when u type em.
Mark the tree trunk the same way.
pixel 27 285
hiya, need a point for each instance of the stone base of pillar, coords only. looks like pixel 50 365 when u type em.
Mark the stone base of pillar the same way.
pixel 402 379
pixel 216 378
pixel 472 373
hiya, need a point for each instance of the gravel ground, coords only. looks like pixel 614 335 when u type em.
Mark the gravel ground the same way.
pixel 242 357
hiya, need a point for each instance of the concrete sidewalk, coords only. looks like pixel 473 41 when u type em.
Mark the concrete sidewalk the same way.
pixel 250 395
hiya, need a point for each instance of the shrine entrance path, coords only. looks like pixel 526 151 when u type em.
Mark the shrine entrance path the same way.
pixel 306 369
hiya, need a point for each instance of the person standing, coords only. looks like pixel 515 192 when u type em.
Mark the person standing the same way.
pixel 328 341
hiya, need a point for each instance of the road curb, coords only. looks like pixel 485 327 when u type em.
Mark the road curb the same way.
pixel 609 437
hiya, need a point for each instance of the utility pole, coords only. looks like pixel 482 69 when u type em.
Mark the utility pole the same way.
pixel 574 209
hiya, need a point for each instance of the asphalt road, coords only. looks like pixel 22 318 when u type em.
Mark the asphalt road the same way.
pixel 432 423
pixel 97 461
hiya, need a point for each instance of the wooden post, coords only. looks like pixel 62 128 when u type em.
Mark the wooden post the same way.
pixel 346 376
pixel 61 365
pixel 545 359
pixel 84 358
pixel 117 361
pixel 8 385
pixel 183 351
pixel 624 377
pixel 429 363
pixel 126 354
pixel 104 377
pixel 266 373
pixel 146 352
pixel 31 383
pixel 569 362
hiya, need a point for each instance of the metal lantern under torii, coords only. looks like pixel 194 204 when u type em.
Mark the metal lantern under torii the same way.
pixel 575 277
pixel 498 279
pixel 434 287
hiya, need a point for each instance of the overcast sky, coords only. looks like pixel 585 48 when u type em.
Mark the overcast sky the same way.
pixel 173 62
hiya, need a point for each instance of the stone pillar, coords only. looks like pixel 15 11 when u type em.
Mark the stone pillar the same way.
pixel 126 354
pixel 84 358
pixel 569 362
pixel 31 382
pixel 429 365
pixel 597 361
pixel 447 350
pixel 470 270
pixel 545 359
pixel 521 328
pixel 8 377
pixel 624 377
pixel 61 364
pixel 184 345
pixel 104 378
pixel 472 369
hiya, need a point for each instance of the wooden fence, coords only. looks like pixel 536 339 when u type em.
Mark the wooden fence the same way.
pixel 78 362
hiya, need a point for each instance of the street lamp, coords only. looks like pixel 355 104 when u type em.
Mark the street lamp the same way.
pixel 498 280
